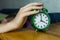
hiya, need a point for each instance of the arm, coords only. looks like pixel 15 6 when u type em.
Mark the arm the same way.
pixel 14 24
pixel 21 17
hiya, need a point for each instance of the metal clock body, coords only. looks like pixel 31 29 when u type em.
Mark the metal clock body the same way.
pixel 41 21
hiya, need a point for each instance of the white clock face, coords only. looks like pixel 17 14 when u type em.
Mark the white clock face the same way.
pixel 41 20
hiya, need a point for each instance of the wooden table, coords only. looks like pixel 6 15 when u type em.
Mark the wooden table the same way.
pixel 29 34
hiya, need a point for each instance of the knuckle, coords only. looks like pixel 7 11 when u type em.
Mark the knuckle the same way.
pixel 21 8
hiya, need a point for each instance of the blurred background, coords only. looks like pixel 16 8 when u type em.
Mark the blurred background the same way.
pixel 12 6
pixel 52 5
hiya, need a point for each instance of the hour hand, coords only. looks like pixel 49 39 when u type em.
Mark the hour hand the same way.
pixel 43 21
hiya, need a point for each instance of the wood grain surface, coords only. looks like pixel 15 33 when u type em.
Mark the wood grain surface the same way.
pixel 53 33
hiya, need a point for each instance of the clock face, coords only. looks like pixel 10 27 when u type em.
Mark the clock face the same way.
pixel 41 21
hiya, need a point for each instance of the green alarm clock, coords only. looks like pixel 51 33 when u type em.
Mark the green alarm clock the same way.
pixel 41 20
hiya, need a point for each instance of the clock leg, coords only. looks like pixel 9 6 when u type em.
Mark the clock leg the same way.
pixel 36 30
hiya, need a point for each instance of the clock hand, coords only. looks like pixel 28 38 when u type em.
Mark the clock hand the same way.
pixel 43 21
pixel 40 16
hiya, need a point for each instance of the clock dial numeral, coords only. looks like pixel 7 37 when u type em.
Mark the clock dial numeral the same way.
pixel 45 17
pixel 41 26
pixel 44 25
pixel 46 20
pixel 38 26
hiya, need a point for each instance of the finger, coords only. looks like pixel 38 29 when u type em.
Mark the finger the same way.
pixel 33 7
pixel 31 13
pixel 32 4
pixel 35 4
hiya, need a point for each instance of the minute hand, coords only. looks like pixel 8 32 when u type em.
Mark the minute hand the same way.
pixel 41 16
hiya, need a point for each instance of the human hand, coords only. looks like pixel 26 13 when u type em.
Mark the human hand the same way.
pixel 27 10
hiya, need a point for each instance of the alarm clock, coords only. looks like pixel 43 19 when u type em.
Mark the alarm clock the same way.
pixel 41 20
